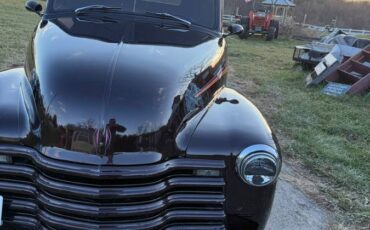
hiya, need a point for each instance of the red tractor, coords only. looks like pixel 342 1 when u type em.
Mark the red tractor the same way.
pixel 259 22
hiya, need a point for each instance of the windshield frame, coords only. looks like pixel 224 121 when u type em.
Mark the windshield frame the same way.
pixel 219 4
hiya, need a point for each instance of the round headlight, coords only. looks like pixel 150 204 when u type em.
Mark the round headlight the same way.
pixel 258 165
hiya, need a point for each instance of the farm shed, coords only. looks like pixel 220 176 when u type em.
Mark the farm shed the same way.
pixel 282 9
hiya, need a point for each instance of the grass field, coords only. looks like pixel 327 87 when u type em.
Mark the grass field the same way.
pixel 331 136
pixel 16 26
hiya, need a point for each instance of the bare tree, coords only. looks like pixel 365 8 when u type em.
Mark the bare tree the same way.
pixel 353 15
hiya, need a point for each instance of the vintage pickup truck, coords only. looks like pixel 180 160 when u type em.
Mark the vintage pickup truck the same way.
pixel 120 118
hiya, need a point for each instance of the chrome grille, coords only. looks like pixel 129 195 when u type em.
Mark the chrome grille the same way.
pixel 45 193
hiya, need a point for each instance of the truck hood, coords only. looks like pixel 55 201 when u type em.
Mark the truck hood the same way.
pixel 108 92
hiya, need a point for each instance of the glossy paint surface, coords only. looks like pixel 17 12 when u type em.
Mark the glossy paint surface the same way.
pixel 230 124
pixel 117 88
pixel 19 122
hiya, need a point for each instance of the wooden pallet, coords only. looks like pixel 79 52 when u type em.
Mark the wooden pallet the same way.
pixel 354 72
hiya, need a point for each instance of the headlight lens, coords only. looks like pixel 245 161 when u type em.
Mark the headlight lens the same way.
pixel 258 165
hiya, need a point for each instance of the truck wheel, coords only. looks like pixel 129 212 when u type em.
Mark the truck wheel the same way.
pixel 276 23
pixel 271 33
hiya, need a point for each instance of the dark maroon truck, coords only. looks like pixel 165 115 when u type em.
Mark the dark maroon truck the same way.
pixel 120 118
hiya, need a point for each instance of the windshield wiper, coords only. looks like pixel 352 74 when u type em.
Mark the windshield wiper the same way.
pixel 97 8
pixel 170 17
pixel 85 18
pixel 103 8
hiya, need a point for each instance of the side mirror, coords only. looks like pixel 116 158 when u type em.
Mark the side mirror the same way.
pixel 234 29
pixel 34 6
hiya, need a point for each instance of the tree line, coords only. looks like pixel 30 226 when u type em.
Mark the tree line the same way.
pixel 354 15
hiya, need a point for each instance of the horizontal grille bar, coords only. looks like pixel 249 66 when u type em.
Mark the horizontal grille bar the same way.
pixel 96 192
pixel 121 211
pixel 174 217
pixel 51 221
pixel 107 172
pixel 55 194
pixel 169 217
pixel 101 210
pixel 19 221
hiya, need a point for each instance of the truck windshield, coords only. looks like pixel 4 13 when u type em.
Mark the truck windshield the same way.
pixel 204 13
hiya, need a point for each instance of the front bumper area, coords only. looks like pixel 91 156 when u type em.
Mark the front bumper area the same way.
pixel 44 193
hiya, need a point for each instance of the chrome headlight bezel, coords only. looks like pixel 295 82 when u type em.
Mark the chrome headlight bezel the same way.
pixel 258 153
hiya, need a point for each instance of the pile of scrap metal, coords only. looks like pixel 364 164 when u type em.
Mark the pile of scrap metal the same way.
pixel 343 76
pixel 341 45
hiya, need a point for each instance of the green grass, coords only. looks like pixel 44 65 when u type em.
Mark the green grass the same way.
pixel 364 36
pixel 330 135
pixel 16 26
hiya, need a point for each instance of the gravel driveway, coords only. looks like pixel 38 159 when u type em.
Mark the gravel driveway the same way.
pixel 292 209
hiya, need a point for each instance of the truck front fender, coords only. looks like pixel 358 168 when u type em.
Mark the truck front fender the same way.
pixel 19 122
pixel 229 126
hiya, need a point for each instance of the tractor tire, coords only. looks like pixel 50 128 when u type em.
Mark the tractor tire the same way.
pixel 244 21
pixel 245 34
pixel 271 33
pixel 276 23
pixel 242 35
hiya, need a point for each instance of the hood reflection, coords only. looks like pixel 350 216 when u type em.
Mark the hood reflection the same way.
pixel 114 90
